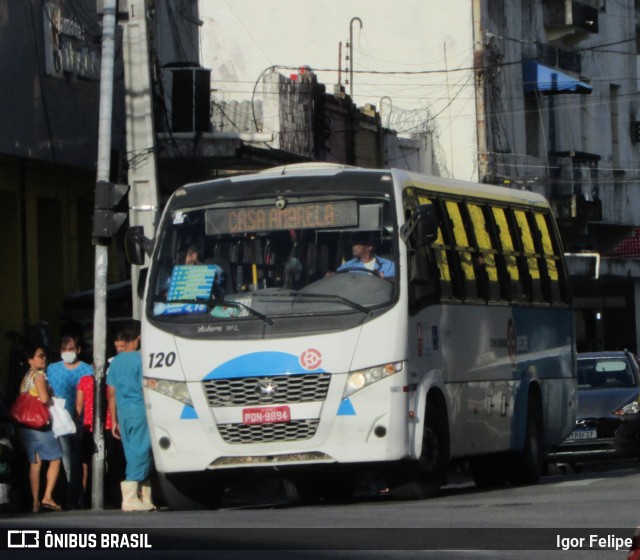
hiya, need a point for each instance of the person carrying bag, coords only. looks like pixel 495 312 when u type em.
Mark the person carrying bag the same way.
pixel 61 422
pixel 39 443
pixel 28 410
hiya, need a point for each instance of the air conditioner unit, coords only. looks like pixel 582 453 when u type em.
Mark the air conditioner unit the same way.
pixel 190 99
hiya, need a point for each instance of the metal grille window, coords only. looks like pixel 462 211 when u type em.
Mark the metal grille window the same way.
pixel 286 389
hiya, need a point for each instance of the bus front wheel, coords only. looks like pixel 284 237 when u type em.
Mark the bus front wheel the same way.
pixel 191 491
pixel 424 479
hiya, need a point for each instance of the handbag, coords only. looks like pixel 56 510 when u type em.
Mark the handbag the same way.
pixel 29 411
pixel 61 422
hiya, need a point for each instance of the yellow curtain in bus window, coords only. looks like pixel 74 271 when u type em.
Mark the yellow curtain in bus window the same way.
pixel 440 252
pixel 527 244
pixel 507 243
pixel 508 250
pixel 484 241
pixel 462 242
pixel 547 247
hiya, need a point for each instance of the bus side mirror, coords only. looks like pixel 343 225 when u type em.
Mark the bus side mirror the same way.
pixel 137 245
pixel 422 226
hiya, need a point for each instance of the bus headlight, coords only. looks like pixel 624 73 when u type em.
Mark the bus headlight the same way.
pixel 175 389
pixel 360 379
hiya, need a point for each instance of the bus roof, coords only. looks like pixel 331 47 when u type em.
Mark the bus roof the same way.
pixel 465 188
pixel 402 177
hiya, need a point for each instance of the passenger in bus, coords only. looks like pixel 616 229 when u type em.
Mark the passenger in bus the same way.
pixel 192 256
pixel 364 256
pixel 128 413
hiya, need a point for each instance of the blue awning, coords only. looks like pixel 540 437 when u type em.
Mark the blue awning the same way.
pixel 538 77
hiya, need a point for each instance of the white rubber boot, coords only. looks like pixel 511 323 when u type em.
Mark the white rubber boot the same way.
pixel 130 500
pixel 145 495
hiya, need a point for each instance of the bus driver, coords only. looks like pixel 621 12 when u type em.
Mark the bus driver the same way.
pixel 363 250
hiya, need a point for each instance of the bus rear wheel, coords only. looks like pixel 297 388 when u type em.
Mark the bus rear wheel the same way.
pixel 527 465
pixel 191 491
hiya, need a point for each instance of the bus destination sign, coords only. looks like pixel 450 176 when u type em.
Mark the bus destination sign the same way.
pixel 270 218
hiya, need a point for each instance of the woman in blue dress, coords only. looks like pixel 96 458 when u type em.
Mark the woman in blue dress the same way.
pixel 40 445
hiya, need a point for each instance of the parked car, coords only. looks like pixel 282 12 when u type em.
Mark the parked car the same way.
pixel 608 415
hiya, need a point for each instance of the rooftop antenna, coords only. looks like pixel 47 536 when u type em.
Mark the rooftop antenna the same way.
pixel 340 63
pixel 390 108
pixel 351 53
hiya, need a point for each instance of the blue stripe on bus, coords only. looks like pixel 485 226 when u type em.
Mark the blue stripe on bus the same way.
pixel 346 408
pixel 260 364
pixel 188 413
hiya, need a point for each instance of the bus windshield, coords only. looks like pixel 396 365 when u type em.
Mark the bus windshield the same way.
pixel 275 257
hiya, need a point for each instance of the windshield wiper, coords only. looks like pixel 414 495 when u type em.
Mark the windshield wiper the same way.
pixel 229 303
pixel 341 299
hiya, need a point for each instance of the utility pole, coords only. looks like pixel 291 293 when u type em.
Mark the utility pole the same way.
pixel 479 71
pixel 142 174
pixel 142 178
pixel 101 251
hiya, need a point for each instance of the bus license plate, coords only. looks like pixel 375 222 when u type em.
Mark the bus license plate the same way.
pixel 583 434
pixel 266 415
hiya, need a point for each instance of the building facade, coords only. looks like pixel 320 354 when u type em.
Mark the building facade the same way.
pixel 557 86
pixel 553 108
pixel 50 64
pixel 539 95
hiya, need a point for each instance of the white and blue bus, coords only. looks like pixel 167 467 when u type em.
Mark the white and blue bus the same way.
pixel 268 351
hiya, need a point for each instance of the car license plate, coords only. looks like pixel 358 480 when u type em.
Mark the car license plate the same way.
pixel 266 415
pixel 583 434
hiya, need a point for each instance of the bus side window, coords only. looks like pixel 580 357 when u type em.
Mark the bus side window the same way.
pixel 516 290
pixel 464 252
pixel 485 261
pixel 440 252
pixel 530 257
pixel 551 258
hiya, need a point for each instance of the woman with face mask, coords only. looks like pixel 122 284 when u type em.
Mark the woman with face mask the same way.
pixel 64 377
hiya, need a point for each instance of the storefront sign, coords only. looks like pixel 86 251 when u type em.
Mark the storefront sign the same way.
pixel 67 48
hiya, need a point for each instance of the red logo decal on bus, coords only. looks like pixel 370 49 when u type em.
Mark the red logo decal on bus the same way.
pixel 311 359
